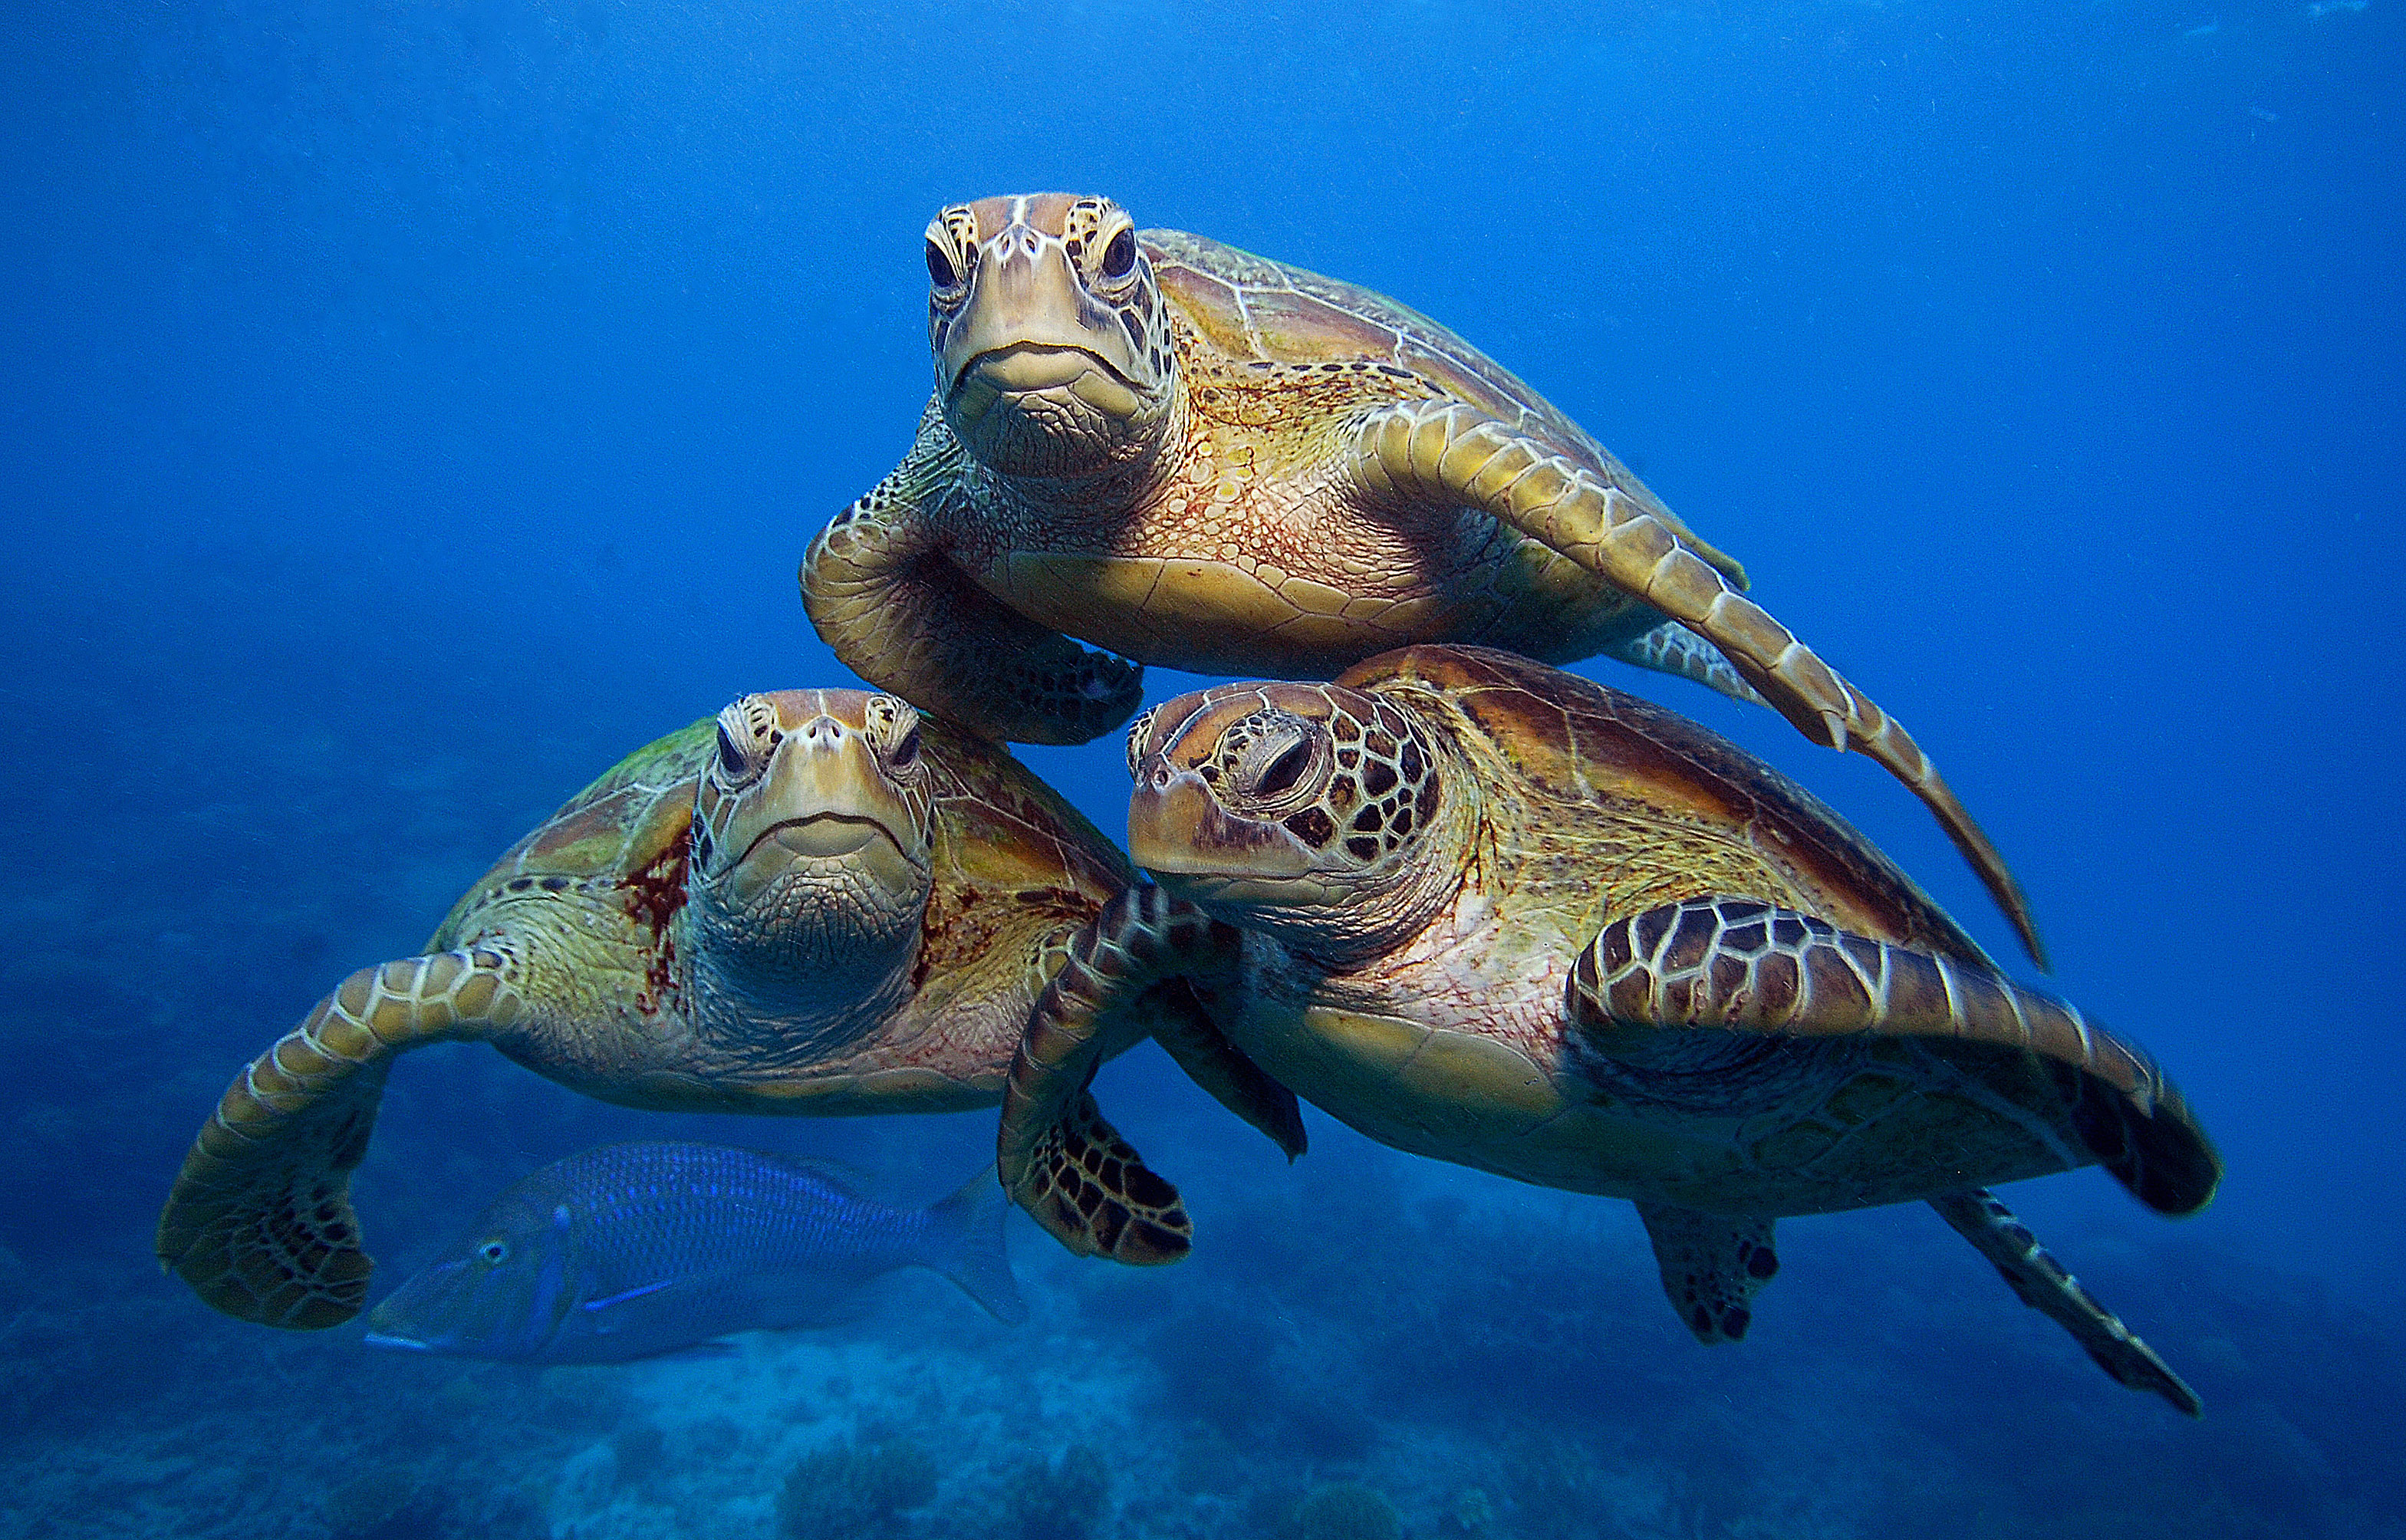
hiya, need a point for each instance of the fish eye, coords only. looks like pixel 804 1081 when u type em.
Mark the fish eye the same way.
pixel 1119 257
pixel 495 1252
pixel 939 266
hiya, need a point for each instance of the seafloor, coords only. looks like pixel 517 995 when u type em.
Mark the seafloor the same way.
pixel 1363 1344
pixel 1358 1353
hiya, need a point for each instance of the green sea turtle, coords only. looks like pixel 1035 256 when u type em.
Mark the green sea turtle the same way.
pixel 1488 911
pixel 1209 460
pixel 819 902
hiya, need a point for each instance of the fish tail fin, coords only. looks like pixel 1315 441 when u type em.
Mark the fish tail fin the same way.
pixel 966 1245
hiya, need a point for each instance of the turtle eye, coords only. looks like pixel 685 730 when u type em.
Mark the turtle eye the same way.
pixel 1139 733
pixel 1119 257
pixel 1281 774
pixel 494 1252
pixel 1269 756
pixel 906 751
pixel 740 759
pixel 941 271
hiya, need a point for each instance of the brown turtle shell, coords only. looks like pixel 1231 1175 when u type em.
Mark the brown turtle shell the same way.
pixel 1256 310
pixel 998 831
pixel 1580 741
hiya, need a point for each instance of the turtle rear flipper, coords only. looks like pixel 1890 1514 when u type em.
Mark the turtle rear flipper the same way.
pixel 1674 649
pixel 1743 965
pixel 1420 451
pixel 2042 1284
pixel 259 1222
pixel 898 612
pixel 1712 1266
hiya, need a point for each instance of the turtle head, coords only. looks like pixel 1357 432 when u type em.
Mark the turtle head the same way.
pixel 812 828
pixel 1333 818
pixel 1051 337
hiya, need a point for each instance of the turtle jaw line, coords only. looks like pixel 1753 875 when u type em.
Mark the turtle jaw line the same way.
pixel 824 836
pixel 1046 393
pixel 1022 367
pixel 1233 895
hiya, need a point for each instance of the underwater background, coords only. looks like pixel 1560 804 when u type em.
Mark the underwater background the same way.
pixel 408 409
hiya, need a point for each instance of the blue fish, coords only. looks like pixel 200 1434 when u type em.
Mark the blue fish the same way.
pixel 633 1250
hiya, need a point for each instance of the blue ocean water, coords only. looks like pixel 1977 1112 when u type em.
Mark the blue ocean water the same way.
pixel 409 409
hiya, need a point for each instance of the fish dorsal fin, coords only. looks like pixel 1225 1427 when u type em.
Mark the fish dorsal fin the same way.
pixel 850 1181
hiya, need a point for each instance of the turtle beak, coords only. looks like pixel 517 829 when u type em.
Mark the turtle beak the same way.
pixel 827 800
pixel 1028 326
pixel 1179 832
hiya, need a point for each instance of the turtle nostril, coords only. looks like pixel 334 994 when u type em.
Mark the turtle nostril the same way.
pixel 1160 776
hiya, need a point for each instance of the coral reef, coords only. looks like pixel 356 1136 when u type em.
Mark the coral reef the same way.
pixel 1347 1510
pixel 374 1504
pixel 853 1490
pixel 1061 1499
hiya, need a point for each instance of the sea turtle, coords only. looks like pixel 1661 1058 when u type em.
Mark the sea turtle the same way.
pixel 818 902
pixel 1486 910
pixel 1202 458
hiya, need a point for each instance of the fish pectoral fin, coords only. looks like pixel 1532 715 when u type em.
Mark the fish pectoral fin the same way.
pixel 625 1295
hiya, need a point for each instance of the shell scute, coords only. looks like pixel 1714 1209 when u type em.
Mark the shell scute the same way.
pixel 1581 742
pixel 1253 308
pixel 1006 831
pixel 626 822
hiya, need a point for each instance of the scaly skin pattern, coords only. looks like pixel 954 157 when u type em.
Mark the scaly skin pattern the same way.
pixel 1495 914
pixel 1202 458
pixel 632 952
pixel 1418 982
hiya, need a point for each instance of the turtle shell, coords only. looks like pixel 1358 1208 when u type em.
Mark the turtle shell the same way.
pixel 1580 742
pixel 1255 310
pixel 1006 846
pixel 632 821
pixel 999 831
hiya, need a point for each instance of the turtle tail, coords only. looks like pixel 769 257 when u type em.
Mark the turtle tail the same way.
pixel 259 1222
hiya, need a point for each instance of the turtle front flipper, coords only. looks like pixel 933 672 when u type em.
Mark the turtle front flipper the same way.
pixel 1712 1266
pixel 899 613
pixel 259 1222
pixel 1455 455
pixel 1740 966
pixel 1055 1154
pixel 2042 1284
